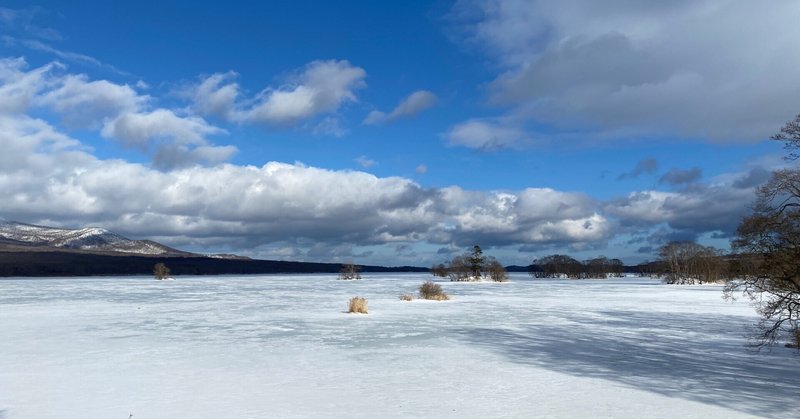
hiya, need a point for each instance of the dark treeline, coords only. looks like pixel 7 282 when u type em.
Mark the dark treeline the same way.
pixel 563 266
pixel 679 263
pixel 87 264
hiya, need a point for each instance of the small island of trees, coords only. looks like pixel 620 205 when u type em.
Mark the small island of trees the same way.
pixel 472 266
pixel 350 272
pixel 563 266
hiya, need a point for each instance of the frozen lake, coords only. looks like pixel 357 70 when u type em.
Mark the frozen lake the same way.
pixel 283 346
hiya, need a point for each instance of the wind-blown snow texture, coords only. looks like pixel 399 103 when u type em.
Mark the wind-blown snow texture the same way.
pixel 283 346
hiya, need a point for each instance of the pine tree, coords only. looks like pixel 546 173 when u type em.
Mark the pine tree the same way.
pixel 476 261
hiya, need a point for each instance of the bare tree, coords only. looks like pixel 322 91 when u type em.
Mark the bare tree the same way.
pixel 598 267
pixel 160 271
pixel 459 269
pixel 689 263
pixel 769 244
pixel 790 135
pixel 495 270
pixel 616 268
pixel 439 270
pixel 535 270
pixel 655 269
pixel 556 266
pixel 350 271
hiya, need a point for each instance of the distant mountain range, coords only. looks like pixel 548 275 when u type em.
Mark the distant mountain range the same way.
pixel 32 250
pixel 92 239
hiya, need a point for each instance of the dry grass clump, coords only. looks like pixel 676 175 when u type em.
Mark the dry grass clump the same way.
pixel 357 305
pixel 406 297
pixel 432 291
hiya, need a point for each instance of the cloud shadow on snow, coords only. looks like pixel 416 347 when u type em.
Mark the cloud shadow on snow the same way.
pixel 665 353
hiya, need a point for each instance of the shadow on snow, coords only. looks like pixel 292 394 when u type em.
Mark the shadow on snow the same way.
pixel 698 357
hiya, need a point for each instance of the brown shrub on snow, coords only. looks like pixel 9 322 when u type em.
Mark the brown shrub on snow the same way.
pixel 357 305
pixel 432 291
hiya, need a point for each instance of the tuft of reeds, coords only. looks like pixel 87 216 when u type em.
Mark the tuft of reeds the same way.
pixel 357 305
pixel 432 291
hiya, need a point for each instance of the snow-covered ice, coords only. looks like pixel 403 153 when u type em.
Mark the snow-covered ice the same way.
pixel 283 346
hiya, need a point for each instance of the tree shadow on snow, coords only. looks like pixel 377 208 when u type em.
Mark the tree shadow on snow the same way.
pixel 696 357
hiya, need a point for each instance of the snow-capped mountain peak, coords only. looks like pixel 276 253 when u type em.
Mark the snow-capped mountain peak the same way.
pixel 91 239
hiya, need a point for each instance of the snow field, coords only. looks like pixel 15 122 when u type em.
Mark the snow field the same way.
pixel 284 346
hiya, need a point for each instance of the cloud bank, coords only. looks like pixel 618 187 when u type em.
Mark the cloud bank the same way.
pixel 189 196
pixel 711 69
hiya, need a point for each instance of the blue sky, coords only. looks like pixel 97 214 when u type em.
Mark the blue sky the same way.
pixel 395 133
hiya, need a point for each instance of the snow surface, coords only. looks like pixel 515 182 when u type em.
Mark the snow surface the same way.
pixel 283 346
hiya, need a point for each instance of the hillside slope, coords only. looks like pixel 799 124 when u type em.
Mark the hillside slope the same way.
pixel 92 239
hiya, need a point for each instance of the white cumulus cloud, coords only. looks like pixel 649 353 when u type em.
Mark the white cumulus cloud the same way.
pixel 215 95
pixel 319 88
pixel 85 104
pixel 117 111
pixel 174 141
